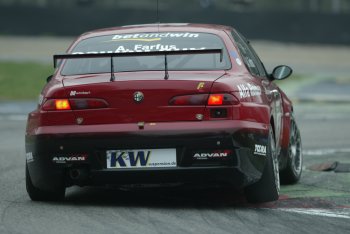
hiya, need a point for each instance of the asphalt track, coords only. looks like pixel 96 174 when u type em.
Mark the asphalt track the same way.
pixel 320 203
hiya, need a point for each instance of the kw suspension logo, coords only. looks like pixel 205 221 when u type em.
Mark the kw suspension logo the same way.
pixel 124 159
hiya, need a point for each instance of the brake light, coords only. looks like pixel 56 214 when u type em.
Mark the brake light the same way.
pixel 62 104
pixel 74 104
pixel 204 99
pixel 215 99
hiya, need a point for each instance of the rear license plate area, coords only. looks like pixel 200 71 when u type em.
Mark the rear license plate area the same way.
pixel 141 158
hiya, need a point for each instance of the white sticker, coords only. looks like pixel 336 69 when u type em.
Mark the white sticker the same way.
pixel 157 47
pixel 251 63
pixel 210 155
pixel 142 48
pixel 243 91
pixel 29 157
pixel 153 35
pixel 73 93
pixel 260 150
pixel 74 158
pixel 248 90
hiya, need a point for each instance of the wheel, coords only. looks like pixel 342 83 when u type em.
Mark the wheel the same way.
pixel 291 174
pixel 268 187
pixel 37 194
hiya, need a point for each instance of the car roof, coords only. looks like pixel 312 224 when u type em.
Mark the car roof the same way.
pixel 163 27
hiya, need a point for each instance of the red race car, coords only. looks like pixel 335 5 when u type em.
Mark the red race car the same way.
pixel 162 103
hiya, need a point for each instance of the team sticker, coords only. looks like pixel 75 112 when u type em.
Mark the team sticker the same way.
pixel 152 36
pixel 142 48
pixel 71 158
pixel 260 150
pixel 205 155
pixel 248 90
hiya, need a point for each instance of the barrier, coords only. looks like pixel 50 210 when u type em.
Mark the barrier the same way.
pixel 279 26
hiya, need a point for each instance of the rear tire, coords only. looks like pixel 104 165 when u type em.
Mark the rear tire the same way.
pixel 268 187
pixel 292 173
pixel 37 194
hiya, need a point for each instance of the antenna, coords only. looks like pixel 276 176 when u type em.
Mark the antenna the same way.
pixel 112 70
pixel 166 75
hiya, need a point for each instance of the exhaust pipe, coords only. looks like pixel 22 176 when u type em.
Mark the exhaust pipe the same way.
pixel 78 176
pixel 74 174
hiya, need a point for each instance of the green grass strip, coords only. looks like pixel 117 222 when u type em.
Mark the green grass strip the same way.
pixel 22 80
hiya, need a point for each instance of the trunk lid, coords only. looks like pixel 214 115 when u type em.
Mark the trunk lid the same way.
pixel 128 86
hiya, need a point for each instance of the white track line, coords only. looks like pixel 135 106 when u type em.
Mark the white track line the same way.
pixel 343 213
pixel 326 151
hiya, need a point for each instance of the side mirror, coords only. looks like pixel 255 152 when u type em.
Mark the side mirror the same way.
pixel 49 78
pixel 281 72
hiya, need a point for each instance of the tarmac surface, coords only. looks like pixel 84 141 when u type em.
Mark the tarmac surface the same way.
pixel 319 203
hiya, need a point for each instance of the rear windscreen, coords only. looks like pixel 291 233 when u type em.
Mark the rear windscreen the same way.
pixel 145 42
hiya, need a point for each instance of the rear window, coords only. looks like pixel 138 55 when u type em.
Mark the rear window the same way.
pixel 144 42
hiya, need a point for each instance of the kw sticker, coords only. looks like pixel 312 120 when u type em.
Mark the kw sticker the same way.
pixel 120 159
pixel 141 158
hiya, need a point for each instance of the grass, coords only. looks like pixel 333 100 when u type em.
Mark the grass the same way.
pixel 22 80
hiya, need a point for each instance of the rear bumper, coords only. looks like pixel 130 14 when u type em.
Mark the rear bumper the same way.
pixel 242 167
pixel 200 175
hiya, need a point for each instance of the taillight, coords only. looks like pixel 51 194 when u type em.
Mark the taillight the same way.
pixel 74 104
pixel 56 104
pixel 222 99
pixel 204 99
pixel 215 99
pixel 62 104
pixel 191 100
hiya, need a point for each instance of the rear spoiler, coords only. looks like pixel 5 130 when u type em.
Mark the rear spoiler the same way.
pixel 133 54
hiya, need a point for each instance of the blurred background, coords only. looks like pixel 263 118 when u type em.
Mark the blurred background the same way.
pixel 321 21
pixel 312 36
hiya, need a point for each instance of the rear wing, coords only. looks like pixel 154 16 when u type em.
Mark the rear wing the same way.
pixel 133 54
